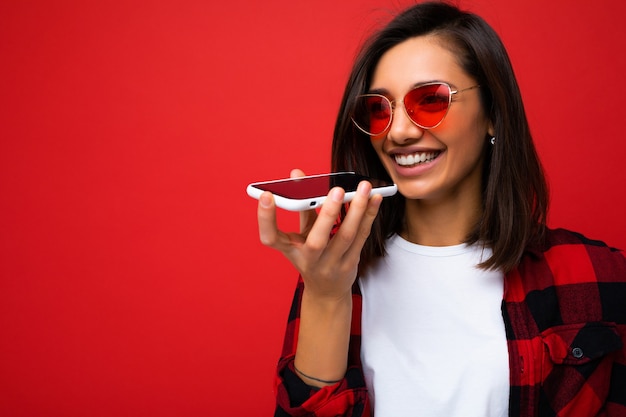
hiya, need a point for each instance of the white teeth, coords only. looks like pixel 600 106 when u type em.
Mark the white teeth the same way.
pixel 417 158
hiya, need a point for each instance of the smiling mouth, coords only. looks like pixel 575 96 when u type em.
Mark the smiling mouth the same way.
pixel 415 158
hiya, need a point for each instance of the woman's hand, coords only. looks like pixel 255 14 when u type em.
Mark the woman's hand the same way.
pixel 328 265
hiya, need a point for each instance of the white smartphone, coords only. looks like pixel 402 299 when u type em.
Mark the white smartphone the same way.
pixel 306 193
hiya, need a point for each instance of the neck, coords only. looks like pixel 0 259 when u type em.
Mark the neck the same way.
pixel 440 223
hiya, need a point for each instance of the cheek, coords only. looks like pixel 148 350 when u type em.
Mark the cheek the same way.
pixel 472 137
pixel 468 154
pixel 467 142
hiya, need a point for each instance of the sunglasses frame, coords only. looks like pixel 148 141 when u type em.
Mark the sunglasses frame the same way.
pixel 392 106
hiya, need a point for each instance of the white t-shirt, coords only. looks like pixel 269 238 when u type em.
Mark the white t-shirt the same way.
pixel 433 339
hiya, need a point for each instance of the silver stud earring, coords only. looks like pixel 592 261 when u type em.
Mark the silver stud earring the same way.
pixel 493 140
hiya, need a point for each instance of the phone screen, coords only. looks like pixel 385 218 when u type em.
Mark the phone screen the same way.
pixel 315 186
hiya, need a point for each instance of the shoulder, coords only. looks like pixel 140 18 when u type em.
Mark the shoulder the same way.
pixel 559 237
pixel 570 253
pixel 568 241
pixel 572 279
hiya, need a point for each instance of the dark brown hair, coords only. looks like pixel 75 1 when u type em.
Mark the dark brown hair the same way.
pixel 514 190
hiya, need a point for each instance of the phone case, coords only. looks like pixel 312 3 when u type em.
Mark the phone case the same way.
pixel 293 203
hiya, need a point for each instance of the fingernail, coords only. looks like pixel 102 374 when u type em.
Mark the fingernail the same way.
pixel 336 195
pixel 265 200
pixel 364 188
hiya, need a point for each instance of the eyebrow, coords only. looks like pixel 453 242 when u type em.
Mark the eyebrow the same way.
pixel 384 91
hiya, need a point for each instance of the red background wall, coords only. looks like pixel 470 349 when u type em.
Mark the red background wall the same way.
pixel 131 278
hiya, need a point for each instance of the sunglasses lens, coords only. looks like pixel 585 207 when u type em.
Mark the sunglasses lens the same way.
pixel 427 105
pixel 372 114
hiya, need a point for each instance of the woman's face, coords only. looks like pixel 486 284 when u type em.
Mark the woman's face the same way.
pixel 453 151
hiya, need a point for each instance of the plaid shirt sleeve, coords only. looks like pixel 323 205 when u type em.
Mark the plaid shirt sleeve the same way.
pixel 565 317
pixel 346 398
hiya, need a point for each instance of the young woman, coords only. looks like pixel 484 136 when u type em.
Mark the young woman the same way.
pixel 451 298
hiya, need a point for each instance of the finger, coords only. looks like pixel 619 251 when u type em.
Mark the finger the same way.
pixel 266 214
pixel 350 226
pixel 318 237
pixel 353 254
pixel 296 173
pixel 269 233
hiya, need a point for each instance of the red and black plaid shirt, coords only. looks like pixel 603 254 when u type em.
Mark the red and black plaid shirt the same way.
pixel 564 311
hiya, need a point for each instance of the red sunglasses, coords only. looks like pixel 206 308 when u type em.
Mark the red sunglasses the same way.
pixel 426 106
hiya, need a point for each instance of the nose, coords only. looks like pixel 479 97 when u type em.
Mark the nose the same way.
pixel 402 128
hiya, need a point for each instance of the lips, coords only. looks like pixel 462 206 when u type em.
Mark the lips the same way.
pixel 407 160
